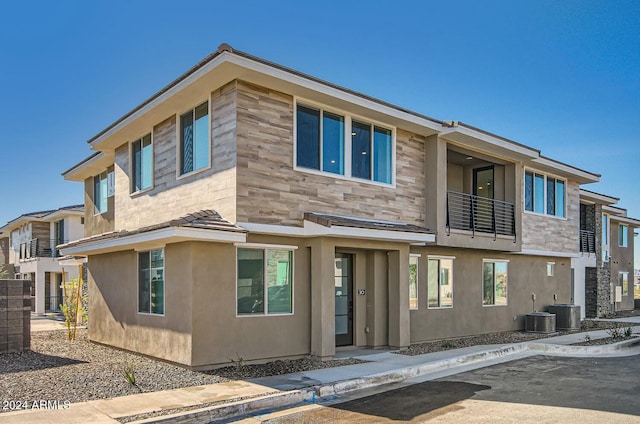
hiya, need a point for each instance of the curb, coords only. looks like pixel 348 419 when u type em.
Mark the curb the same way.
pixel 310 395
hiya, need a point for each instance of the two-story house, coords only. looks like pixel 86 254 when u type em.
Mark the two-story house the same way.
pixel 249 209
pixel 603 273
pixel 32 252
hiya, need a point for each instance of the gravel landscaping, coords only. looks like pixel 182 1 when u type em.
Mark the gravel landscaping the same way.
pixel 78 371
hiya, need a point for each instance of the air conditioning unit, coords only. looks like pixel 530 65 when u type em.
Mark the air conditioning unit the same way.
pixel 540 322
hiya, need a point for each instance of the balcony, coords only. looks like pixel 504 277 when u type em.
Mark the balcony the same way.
pixel 480 215
pixel 40 248
pixel 587 241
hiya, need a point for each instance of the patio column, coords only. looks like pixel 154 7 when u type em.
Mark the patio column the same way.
pixel 399 318
pixel 323 343
pixel 40 291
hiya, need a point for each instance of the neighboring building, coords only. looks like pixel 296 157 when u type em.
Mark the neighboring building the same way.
pixel 603 273
pixel 250 210
pixel 32 252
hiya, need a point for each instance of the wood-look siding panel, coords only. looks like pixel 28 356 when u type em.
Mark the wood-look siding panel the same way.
pixel 270 191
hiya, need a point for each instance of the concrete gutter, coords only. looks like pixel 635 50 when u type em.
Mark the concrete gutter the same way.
pixel 314 394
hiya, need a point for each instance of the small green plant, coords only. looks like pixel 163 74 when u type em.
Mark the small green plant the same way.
pixel 130 374
pixel 446 344
pixel 238 363
pixel 628 331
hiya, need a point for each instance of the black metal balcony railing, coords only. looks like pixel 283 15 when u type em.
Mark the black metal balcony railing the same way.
pixel 479 214
pixel 40 248
pixel 587 241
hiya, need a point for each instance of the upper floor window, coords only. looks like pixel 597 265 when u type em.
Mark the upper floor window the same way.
pixel 100 193
pixel 142 163
pixel 623 234
pixel 544 194
pixel 194 139
pixel 322 144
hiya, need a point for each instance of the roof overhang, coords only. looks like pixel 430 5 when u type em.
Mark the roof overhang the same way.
pixel 152 240
pixel 89 167
pixel 563 170
pixel 25 219
pixel 591 197
pixel 491 145
pixel 311 229
pixel 633 222
pixel 227 66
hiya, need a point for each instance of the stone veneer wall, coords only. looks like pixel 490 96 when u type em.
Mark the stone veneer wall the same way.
pixel 15 315
pixel 598 281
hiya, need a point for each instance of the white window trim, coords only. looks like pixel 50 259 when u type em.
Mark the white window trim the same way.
pixel 180 176
pixel 544 206
pixel 348 118
pixel 626 231
pixel 438 258
pixel 482 280
pixel 136 193
pixel 164 287
pixel 417 256
pixel 265 248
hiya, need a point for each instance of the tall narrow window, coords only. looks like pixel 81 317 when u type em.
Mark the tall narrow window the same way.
pixel 623 278
pixel 151 282
pixel 528 191
pixel 382 155
pixel 560 198
pixel 551 196
pixel 100 193
pixel 494 283
pixel 538 187
pixel 308 137
pixel 413 282
pixel 332 143
pixel 194 139
pixel 440 282
pixel 142 163
pixel 264 284
pixel 361 150
pixel 623 234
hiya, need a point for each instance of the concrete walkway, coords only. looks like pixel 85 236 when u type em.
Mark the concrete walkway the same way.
pixel 241 398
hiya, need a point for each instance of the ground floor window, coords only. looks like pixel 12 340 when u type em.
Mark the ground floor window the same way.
pixel 264 284
pixel 494 282
pixel 151 282
pixel 623 278
pixel 413 281
pixel 440 282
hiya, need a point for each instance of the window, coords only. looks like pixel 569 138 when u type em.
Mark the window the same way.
pixel 440 282
pixel 623 235
pixel 100 193
pixel 623 278
pixel 494 282
pixel 550 268
pixel 264 283
pixel 151 282
pixel 543 194
pixel 321 145
pixel 194 139
pixel 605 238
pixel 413 282
pixel 141 163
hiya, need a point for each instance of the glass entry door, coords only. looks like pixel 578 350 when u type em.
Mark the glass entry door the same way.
pixel 344 299
pixel 483 190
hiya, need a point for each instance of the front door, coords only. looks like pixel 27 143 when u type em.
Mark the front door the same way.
pixel 344 299
pixel 483 190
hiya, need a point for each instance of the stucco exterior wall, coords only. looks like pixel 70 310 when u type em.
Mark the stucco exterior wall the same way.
pixel 113 306
pixel 552 234
pixel 97 223
pixel 270 191
pixel 526 276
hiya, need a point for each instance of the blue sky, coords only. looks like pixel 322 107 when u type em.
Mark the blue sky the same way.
pixel 561 76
